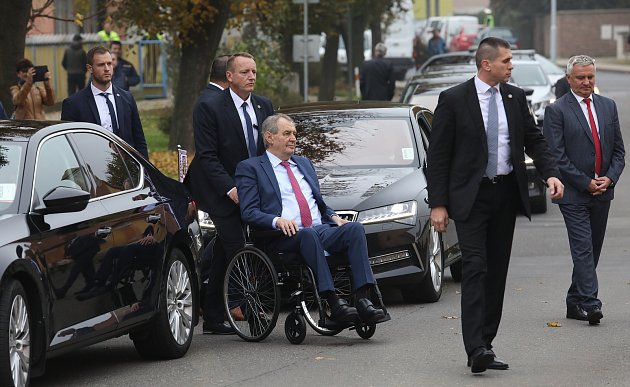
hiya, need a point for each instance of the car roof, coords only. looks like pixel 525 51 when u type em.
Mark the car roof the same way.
pixel 384 108
pixel 23 130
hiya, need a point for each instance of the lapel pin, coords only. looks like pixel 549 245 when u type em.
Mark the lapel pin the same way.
pixel 510 96
pixel 258 106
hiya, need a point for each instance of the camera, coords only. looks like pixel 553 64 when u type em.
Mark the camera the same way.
pixel 40 72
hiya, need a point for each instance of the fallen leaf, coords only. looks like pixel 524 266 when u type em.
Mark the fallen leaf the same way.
pixel 554 324
pixel 518 289
pixel 450 317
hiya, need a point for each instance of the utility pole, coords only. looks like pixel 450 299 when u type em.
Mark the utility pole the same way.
pixel 553 40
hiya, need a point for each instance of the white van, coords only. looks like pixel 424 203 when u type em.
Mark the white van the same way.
pixel 451 25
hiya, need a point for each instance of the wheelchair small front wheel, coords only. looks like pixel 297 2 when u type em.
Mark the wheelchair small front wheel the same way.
pixel 365 331
pixel 295 328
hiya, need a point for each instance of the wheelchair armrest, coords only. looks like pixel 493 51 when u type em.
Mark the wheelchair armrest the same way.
pixel 264 234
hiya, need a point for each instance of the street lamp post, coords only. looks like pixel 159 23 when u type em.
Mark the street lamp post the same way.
pixel 552 35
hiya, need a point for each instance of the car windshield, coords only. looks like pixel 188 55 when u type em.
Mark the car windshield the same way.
pixel 357 142
pixel 11 158
pixel 529 75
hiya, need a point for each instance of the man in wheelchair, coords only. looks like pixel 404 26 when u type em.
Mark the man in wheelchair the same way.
pixel 279 190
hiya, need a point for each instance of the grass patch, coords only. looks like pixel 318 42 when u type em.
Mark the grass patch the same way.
pixel 154 123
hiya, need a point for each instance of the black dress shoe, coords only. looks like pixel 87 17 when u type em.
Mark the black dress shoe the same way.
pixel 576 312
pixel 215 328
pixel 496 364
pixel 368 313
pixel 480 360
pixel 342 312
pixel 594 316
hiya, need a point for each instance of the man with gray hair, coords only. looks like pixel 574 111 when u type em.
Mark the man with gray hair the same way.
pixel 582 129
pixel 377 80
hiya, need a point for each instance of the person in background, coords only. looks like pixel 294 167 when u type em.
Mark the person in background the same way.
pixel 104 104
pixel 28 98
pixel 125 75
pixel 583 132
pixel 436 44
pixel 561 87
pixel 74 62
pixel 106 34
pixel 3 113
pixel 377 81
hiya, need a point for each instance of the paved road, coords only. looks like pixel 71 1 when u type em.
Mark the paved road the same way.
pixel 422 345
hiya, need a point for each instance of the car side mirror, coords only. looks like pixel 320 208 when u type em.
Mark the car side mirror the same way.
pixel 64 199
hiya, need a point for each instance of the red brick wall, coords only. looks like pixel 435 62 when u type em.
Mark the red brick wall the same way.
pixel 579 32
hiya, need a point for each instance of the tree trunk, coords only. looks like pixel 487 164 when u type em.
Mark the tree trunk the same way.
pixel 13 19
pixel 329 69
pixel 194 68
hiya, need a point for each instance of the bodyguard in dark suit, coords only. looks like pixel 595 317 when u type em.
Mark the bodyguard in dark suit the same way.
pixel 104 104
pixel 225 133
pixel 377 80
pixel 582 129
pixel 476 175
pixel 279 190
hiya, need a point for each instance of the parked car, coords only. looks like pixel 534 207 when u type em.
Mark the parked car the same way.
pixel 95 243
pixel 504 33
pixel 464 38
pixel 424 91
pixel 370 159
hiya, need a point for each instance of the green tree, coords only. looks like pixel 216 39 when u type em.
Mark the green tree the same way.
pixel 196 27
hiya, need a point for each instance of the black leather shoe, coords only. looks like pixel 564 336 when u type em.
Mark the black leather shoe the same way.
pixel 213 328
pixel 368 313
pixel 342 312
pixel 576 312
pixel 594 316
pixel 480 359
pixel 496 364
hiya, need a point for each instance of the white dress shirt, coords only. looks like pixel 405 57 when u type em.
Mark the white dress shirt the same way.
pixel 238 101
pixel 290 208
pixel 101 105
pixel 585 110
pixel 504 165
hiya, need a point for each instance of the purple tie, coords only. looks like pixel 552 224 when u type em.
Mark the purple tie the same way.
pixel 305 212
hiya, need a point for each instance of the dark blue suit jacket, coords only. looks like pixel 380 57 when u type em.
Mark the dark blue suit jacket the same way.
pixel 220 145
pixel 259 192
pixel 571 141
pixel 81 107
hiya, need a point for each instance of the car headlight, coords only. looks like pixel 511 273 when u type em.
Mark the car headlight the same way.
pixel 204 220
pixel 405 212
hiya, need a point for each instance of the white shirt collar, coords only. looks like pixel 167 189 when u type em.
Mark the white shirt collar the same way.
pixel 216 85
pixel 580 99
pixel 238 101
pixel 483 87
pixel 97 91
pixel 275 161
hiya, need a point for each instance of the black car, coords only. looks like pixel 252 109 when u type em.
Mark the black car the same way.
pixel 370 158
pixel 95 243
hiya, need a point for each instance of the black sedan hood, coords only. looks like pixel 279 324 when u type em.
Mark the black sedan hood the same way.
pixel 360 189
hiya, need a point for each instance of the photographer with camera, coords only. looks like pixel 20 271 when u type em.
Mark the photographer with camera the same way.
pixel 28 98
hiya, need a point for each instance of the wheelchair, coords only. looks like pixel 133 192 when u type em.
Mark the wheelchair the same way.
pixel 256 279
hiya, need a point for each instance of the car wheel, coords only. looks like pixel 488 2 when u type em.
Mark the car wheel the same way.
pixel 15 335
pixel 170 333
pixel 456 271
pixel 430 288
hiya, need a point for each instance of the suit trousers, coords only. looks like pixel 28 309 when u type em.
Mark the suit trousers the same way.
pixel 348 239
pixel 586 226
pixel 485 239
pixel 230 239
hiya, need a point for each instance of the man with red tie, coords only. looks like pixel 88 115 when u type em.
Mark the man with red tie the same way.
pixel 582 129
pixel 279 190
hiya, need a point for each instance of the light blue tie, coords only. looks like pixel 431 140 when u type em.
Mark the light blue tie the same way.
pixel 493 135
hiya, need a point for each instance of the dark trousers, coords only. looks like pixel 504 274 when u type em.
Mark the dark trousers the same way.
pixel 76 82
pixel 586 226
pixel 485 239
pixel 348 239
pixel 230 239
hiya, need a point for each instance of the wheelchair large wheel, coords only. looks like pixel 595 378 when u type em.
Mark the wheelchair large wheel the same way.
pixel 343 288
pixel 295 328
pixel 251 284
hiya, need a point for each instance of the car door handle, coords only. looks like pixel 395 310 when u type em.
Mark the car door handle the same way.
pixel 154 218
pixel 103 232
